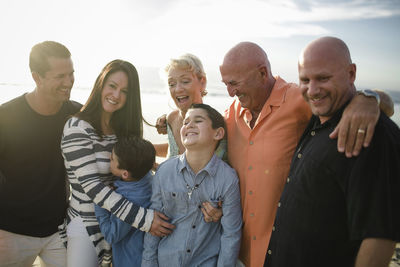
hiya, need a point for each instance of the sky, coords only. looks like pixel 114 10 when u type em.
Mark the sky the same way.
pixel 150 32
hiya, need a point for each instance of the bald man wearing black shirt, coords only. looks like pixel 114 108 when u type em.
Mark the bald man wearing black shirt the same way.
pixel 337 211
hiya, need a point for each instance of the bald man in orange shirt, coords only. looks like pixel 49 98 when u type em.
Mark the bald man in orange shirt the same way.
pixel 264 124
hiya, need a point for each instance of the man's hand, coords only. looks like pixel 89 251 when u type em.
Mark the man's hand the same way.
pixel 161 124
pixel 160 227
pixel 212 214
pixel 357 125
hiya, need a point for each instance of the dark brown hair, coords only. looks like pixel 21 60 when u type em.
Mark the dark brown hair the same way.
pixel 135 155
pixel 125 121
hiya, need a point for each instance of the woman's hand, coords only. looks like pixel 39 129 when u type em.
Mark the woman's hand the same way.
pixel 159 226
pixel 161 124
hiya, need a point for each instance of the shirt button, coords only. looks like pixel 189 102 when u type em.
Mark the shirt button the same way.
pixel 266 171
pixel 299 155
pixel 250 167
pixel 269 252
pixel 194 226
pixel 279 204
pixel 312 133
pixel 250 192
pixel 251 214
pixel 251 142
pixel 288 180
pixel 188 251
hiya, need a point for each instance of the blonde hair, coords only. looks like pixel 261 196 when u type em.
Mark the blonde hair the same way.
pixel 190 63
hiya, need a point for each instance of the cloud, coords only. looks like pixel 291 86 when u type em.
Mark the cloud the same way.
pixel 235 19
pixel 346 10
pixel 185 21
pixel 150 32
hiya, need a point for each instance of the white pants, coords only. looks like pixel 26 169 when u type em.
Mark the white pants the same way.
pixel 21 250
pixel 80 251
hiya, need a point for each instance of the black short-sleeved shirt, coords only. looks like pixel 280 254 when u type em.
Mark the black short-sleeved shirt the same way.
pixel 32 172
pixel 330 203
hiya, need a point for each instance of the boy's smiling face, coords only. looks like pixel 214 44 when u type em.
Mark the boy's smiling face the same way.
pixel 197 130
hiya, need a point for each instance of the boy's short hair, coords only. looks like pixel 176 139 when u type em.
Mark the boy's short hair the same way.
pixel 136 155
pixel 217 120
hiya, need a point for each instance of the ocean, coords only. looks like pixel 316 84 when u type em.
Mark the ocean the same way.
pixel 155 102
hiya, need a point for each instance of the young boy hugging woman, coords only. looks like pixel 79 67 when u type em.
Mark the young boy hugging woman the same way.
pixel 182 184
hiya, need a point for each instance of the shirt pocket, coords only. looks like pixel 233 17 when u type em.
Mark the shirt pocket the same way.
pixel 175 203
pixel 214 201
pixel 210 194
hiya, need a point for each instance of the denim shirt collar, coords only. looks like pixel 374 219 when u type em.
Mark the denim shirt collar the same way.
pixel 137 184
pixel 210 168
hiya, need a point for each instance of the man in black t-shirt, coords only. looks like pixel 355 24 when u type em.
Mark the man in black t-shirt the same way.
pixel 337 211
pixel 32 174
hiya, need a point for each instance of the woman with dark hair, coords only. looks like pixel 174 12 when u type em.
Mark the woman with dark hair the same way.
pixel 113 110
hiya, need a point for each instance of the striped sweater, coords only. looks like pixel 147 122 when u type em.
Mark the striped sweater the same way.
pixel 87 161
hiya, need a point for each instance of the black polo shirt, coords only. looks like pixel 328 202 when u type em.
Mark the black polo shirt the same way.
pixel 331 203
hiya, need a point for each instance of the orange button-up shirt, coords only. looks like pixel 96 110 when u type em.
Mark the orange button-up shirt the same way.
pixel 261 156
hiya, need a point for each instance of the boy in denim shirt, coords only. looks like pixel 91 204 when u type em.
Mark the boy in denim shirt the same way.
pixel 131 160
pixel 181 184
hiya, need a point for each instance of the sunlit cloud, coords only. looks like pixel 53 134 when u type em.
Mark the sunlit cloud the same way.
pixel 348 10
pixel 227 19
pixel 150 32
pixel 192 22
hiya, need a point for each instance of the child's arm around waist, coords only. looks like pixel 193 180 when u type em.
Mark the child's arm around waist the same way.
pixel 112 228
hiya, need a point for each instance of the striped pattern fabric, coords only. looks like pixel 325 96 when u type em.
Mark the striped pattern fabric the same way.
pixel 87 162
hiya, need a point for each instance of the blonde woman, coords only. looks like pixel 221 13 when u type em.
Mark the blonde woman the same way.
pixel 187 85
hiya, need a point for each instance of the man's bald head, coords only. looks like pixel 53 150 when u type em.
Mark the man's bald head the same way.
pixel 247 75
pixel 327 48
pixel 247 54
